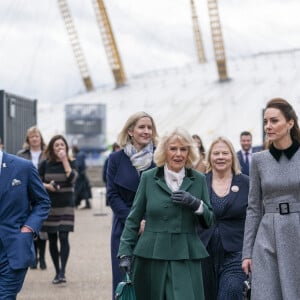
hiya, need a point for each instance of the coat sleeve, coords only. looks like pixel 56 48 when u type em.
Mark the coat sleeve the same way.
pixel 130 233
pixel 207 218
pixel 39 200
pixel 117 204
pixel 104 170
pixel 74 173
pixel 254 210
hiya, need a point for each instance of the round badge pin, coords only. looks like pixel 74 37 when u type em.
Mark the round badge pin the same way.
pixel 235 188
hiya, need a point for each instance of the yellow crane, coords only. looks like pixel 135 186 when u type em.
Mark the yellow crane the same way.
pixel 197 35
pixel 109 42
pixel 78 53
pixel 217 38
pixel 111 48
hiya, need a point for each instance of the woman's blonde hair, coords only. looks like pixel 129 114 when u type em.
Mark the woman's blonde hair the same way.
pixel 236 169
pixel 160 154
pixel 124 138
pixel 30 131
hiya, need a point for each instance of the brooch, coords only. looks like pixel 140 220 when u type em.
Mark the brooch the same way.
pixel 235 188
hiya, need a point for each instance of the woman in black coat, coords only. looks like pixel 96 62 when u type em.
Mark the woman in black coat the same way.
pixel 228 189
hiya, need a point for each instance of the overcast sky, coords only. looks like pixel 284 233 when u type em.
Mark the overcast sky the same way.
pixel 37 60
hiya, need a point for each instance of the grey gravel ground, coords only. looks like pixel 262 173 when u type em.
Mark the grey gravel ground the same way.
pixel 88 270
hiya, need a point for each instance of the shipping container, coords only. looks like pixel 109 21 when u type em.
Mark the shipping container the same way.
pixel 17 115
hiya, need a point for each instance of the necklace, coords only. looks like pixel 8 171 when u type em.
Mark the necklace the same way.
pixel 222 188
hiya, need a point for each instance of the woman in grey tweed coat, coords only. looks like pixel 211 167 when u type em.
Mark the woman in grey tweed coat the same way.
pixel 271 248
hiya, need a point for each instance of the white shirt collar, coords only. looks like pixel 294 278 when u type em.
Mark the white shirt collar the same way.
pixel 174 179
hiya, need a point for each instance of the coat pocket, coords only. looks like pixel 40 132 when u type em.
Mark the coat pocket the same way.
pixel 19 250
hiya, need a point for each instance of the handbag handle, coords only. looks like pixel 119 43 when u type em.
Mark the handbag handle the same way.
pixel 127 278
pixel 122 286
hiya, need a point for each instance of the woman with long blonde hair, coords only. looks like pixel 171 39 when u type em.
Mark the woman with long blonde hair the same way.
pixel 125 167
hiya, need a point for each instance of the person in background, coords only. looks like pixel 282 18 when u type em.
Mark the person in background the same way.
pixel 82 189
pixel 24 205
pixel 272 229
pixel 228 190
pixel 58 173
pixel 201 164
pixel 245 154
pixel 33 149
pixel 175 201
pixel 115 147
pixel 137 140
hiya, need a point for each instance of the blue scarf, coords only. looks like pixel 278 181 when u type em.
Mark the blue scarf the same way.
pixel 142 159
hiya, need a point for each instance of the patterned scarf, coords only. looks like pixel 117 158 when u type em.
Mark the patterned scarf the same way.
pixel 142 159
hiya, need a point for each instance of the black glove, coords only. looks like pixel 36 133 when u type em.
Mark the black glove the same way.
pixel 185 198
pixel 125 263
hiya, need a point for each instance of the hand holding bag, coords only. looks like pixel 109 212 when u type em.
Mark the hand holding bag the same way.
pixel 125 289
pixel 247 287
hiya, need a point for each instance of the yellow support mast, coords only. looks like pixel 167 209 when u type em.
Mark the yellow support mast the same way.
pixel 217 39
pixel 197 35
pixel 109 42
pixel 78 53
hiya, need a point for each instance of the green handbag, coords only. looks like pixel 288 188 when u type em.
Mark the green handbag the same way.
pixel 125 289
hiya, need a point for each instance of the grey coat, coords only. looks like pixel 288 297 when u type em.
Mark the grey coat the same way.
pixel 25 153
pixel 272 240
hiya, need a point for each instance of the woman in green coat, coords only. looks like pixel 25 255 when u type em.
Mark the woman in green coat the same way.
pixel 173 199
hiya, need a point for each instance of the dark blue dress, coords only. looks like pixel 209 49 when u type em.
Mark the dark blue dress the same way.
pixel 222 272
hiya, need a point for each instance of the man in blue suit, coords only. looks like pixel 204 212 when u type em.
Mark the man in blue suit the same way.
pixel 24 204
pixel 245 154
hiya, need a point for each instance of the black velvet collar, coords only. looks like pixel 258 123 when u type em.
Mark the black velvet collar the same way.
pixel 289 152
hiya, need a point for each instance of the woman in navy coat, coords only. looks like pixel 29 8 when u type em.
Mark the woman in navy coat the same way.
pixel 137 140
pixel 228 189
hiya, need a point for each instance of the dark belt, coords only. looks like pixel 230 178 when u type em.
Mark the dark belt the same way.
pixel 283 208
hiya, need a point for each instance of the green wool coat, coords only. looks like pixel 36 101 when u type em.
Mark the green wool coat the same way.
pixel 169 238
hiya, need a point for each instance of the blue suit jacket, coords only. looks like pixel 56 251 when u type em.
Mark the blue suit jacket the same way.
pixel 231 223
pixel 23 201
pixel 241 159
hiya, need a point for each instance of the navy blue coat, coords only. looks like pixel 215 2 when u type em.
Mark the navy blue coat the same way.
pixel 122 183
pixel 231 223
pixel 244 168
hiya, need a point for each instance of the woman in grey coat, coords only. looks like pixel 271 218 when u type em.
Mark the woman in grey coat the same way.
pixel 271 248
